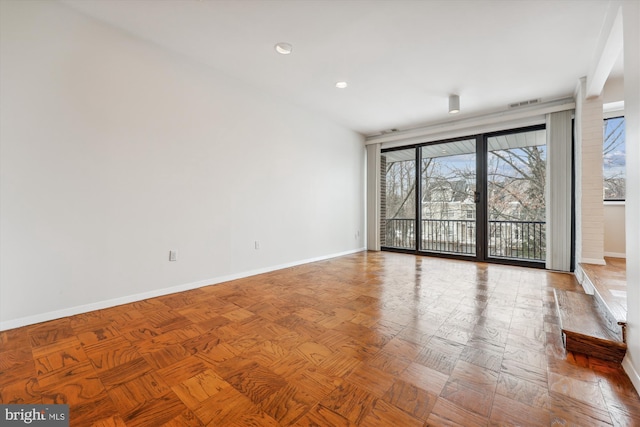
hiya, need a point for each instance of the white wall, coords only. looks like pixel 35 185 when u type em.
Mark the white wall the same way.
pixel 613 90
pixel 588 185
pixel 114 151
pixel 614 230
pixel 631 22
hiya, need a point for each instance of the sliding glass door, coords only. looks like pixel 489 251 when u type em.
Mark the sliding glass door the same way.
pixel 516 177
pixel 398 207
pixel 447 197
pixel 480 198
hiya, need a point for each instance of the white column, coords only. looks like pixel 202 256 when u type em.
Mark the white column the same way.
pixel 589 185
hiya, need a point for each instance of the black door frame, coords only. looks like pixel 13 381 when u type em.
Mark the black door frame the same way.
pixel 482 238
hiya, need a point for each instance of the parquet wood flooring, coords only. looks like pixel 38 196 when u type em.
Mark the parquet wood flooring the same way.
pixel 369 339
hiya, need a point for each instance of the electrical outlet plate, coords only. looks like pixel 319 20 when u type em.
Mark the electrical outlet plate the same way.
pixel 173 255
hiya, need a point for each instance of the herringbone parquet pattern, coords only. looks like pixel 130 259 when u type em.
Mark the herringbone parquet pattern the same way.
pixel 370 339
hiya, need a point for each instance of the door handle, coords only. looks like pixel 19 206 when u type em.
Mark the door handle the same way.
pixel 476 197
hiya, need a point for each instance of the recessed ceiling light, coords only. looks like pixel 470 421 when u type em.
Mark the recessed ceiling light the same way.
pixel 341 85
pixel 283 48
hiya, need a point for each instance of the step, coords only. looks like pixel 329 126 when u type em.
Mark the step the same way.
pixel 585 330
pixel 608 284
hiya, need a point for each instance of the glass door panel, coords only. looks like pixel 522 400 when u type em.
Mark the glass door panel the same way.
pixel 398 207
pixel 516 171
pixel 447 203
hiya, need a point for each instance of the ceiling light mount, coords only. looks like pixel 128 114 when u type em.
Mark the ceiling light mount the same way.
pixel 341 85
pixel 454 104
pixel 283 48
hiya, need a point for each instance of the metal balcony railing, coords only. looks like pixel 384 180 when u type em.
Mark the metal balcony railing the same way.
pixel 520 240
pixel 526 240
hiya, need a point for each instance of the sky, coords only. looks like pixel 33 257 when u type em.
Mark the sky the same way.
pixel 614 162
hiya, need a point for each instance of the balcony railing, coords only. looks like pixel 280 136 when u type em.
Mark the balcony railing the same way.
pixel 400 233
pixel 521 240
pixel 525 240
pixel 450 236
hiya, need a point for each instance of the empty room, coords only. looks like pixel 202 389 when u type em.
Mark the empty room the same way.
pixel 320 212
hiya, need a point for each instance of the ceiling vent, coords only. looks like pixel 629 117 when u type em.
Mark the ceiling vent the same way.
pixel 388 131
pixel 524 103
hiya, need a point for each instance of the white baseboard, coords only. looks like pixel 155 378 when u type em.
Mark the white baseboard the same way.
pixel 615 254
pixel 584 280
pixel 631 371
pixel 596 261
pixel 579 273
pixel 72 311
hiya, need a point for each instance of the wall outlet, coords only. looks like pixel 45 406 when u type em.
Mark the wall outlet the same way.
pixel 357 235
pixel 173 255
pixel 256 244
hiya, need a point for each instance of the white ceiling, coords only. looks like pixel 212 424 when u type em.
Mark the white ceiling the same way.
pixel 401 58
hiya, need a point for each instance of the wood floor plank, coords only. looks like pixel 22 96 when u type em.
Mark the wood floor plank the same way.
pixel 506 411
pixel 185 419
pixel 15 357
pixel 155 412
pixel 411 399
pixel 182 370
pixel 59 359
pixel 577 389
pixel 199 388
pixel 446 413
pixel 50 332
pixel 18 371
pixel 137 392
pixel 21 392
pixel 108 354
pixel 314 352
pixel 92 412
pixel 124 372
pixel 523 391
pixel 74 391
pixel 368 339
pixel 568 411
pixel 256 382
pixel 383 414
pixel 351 402
pixel 166 356
pixel 424 378
pixel 66 374
pixel 468 396
pixel 319 416
pixel 288 404
pixel 112 421
pixel 317 382
pixel 371 378
pixel 224 407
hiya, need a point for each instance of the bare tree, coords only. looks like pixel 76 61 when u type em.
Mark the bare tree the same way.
pixel 400 189
pixel 614 186
pixel 517 180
